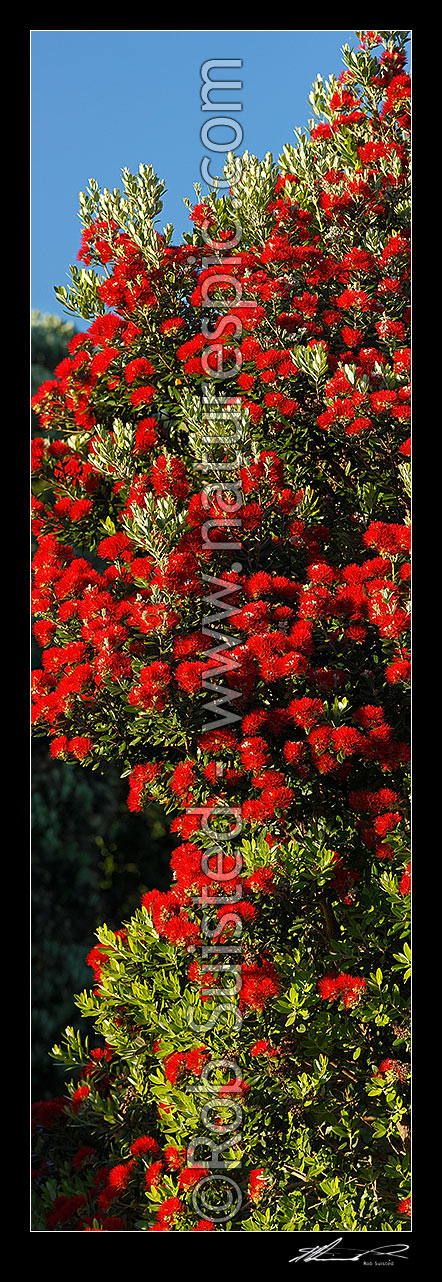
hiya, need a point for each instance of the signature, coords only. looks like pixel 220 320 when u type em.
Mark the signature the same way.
pixel 327 1252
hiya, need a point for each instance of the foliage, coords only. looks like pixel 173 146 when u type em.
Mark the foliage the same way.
pixel 49 340
pixel 91 862
pixel 231 630
pixel 91 859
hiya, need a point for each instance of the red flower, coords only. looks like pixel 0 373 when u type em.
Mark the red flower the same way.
pixel 119 1177
pixel 347 987
pixel 144 1144
pixel 190 1176
pixel 257 1183
pixel 153 1174
pixel 78 1097
pixel 80 746
pixel 174 1157
pixel 405 881
pixel 138 369
pixel 63 1209
pixel 168 1211
pixel 263 1047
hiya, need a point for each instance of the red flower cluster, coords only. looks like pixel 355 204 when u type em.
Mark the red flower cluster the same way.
pixel 344 987
pixel 299 551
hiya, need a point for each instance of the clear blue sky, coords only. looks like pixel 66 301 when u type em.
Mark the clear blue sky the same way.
pixel 105 99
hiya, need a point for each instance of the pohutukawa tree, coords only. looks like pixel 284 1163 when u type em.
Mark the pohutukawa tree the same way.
pixel 221 594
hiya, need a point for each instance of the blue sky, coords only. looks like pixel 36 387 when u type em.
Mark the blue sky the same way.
pixel 105 99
